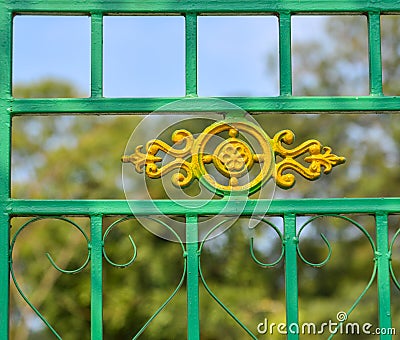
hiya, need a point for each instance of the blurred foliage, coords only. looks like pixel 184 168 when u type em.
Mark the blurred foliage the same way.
pixel 79 157
pixel 46 88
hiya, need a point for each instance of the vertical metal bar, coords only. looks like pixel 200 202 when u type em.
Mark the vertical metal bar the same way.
pixel 375 54
pixel 5 164
pixel 5 95
pixel 291 277
pixel 6 37
pixel 5 138
pixel 97 55
pixel 96 223
pixel 383 259
pixel 191 54
pixel 285 54
pixel 192 247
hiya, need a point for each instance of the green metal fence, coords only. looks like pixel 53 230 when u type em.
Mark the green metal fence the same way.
pixel 11 107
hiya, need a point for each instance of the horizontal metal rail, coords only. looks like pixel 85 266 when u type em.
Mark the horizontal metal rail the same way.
pixel 287 104
pixel 202 6
pixel 17 207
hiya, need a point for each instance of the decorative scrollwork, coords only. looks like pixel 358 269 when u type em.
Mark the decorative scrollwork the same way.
pixel 233 158
pixel 392 273
pixel 181 280
pixel 320 157
pixel 325 240
pixel 322 263
pixel 149 159
pixel 279 259
pixel 328 257
pixel 208 289
pixel 133 258
pixel 74 271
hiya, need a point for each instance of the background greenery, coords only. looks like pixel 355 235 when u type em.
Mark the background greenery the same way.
pixel 78 158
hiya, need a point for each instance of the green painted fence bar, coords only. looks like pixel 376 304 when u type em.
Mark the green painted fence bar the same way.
pixel 291 280
pixel 96 55
pixel 134 106
pixel 277 207
pixel 96 269
pixel 383 259
pixel 4 277
pixel 192 250
pixel 5 165
pixel 375 57
pixel 191 54
pixel 4 225
pixel 202 6
pixel 285 54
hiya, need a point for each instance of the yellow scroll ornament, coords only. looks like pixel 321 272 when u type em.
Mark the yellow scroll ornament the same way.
pixel 234 158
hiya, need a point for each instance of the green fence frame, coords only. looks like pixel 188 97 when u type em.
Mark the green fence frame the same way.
pixel 285 102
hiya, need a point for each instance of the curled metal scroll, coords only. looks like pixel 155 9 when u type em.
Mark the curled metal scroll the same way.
pixel 345 218
pixel 52 262
pixel 373 248
pixel 182 279
pixel 392 273
pixel 208 289
pixel 109 229
pixel 279 259
pixel 322 263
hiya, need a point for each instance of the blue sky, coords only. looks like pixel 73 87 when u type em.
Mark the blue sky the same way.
pixel 145 56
